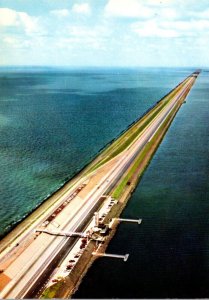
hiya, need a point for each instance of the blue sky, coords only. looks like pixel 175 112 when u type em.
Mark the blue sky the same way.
pixel 104 32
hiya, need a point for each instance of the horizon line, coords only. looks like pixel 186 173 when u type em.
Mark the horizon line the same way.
pixel 97 67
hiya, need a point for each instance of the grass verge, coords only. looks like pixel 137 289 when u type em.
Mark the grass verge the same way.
pixel 117 192
pixel 51 291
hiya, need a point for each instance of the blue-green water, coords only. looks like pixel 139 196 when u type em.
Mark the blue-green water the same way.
pixel 53 121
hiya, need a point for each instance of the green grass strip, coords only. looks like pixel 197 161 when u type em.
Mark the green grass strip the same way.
pixel 51 291
pixel 120 188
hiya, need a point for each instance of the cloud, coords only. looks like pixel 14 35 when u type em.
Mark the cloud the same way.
pixel 29 23
pixel 8 17
pixel 82 37
pixel 128 9
pixel 168 13
pixel 10 40
pixel 83 9
pixel 84 31
pixel 16 43
pixel 162 2
pixel 60 12
pixel 201 14
pixel 152 29
pixel 140 9
pixel 12 18
pixel 171 29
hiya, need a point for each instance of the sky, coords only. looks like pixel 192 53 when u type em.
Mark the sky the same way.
pixel 109 33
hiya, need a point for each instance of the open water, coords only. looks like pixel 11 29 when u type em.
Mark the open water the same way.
pixel 54 121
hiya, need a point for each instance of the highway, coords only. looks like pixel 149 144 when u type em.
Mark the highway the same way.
pixel 27 269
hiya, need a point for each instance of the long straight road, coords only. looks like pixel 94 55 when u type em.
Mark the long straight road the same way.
pixel 27 269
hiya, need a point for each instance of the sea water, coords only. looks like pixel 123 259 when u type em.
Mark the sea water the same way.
pixel 54 121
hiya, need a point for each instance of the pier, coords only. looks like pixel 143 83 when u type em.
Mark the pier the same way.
pixel 63 233
pixel 124 257
pixel 138 221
